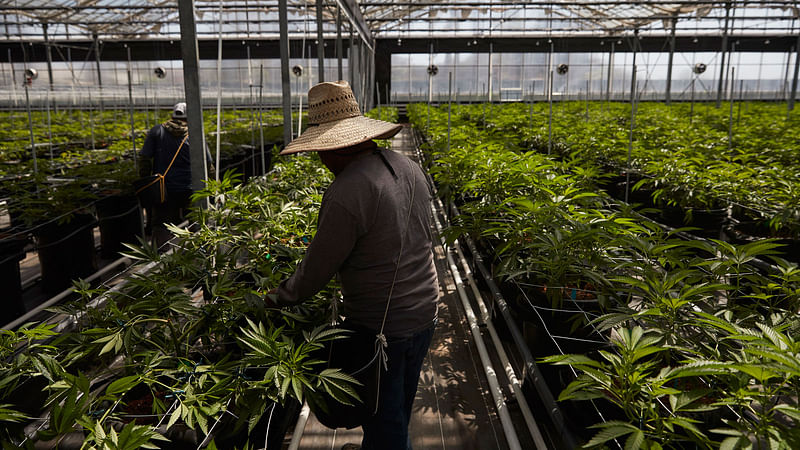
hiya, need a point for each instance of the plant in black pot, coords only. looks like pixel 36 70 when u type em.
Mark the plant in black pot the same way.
pixel 60 217
pixel 118 212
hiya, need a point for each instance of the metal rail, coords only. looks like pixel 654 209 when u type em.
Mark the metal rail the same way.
pixel 531 368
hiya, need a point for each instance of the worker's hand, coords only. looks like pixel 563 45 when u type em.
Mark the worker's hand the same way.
pixel 271 299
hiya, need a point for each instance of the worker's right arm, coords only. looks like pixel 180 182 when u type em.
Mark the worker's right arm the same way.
pixel 337 233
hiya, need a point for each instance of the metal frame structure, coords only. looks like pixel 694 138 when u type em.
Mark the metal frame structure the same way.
pixel 30 20
pixel 33 28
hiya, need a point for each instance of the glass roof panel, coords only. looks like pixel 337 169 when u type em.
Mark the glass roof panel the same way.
pixel 158 19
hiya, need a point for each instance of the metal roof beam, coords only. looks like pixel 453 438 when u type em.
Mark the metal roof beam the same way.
pixel 353 13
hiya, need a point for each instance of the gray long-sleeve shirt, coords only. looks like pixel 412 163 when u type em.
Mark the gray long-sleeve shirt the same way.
pixel 362 220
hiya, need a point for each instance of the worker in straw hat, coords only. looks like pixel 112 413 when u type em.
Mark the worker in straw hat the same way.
pixel 374 231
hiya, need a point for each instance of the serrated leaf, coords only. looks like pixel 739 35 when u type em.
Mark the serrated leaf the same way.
pixel 610 430
pixel 297 388
pixel 123 384
pixel 285 386
pixel 732 443
pixel 173 418
pixel 635 440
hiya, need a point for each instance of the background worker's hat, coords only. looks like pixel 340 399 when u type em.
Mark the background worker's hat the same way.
pixel 179 111
pixel 335 121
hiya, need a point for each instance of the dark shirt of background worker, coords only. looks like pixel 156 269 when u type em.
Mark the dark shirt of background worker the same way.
pixel 162 141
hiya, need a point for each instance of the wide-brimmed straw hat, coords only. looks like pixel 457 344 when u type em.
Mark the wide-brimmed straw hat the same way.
pixel 335 121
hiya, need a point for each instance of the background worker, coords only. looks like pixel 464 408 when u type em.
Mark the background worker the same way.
pixel 159 148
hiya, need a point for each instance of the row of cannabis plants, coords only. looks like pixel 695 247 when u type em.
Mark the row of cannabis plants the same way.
pixel 57 203
pixel 184 351
pixel 77 174
pixel 677 343
pixel 680 154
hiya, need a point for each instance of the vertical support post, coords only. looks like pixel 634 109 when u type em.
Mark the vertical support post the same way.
pixel 730 66
pixel 730 113
pixel 371 70
pixel 91 121
pixel 691 108
pixel 550 72
pixel 723 50
pixel 786 73
pixel 550 115
pixel 30 128
pixel 741 99
pixel 350 54
pixel 339 41
pixel 286 87
pixel 410 86
pixel 49 56
pixel 13 77
pixel 50 128
pixel 635 47
pixel 252 112
pixel 610 75
pixel 668 93
pixel 430 75
pixel 194 100
pixel 449 106
pixel 489 90
pixel 363 74
pixel 530 106
pixel 261 117
pixel 588 86
pixel 500 79
pixel 380 111
pixel 219 95
pixel 630 136
pixel 483 88
pixel 130 112
pixel 355 69
pixel 320 44
pixel 368 81
pixel 793 93
pixel 591 75
pixel 96 42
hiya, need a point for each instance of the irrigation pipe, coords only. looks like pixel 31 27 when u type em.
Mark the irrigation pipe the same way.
pixel 491 375
pixel 299 427
pixel 501 353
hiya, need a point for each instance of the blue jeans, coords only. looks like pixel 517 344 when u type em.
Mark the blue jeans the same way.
pixel 388 429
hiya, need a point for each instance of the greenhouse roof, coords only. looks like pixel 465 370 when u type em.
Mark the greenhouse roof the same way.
pixel 30 20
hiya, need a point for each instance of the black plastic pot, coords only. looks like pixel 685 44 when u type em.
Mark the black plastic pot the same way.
pixel 641 196
pixel 14 201
pixel 252 164
pixel 120 221
pixel 232 161
pixel 66 251
pixel 12 251
pixel 249 162
pixel 709 222
pixel 746 232
pixel 283 418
